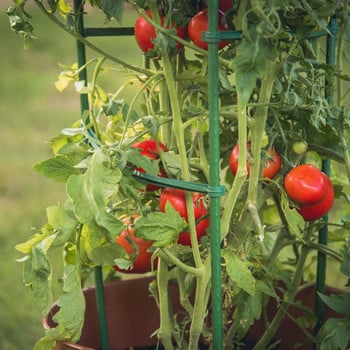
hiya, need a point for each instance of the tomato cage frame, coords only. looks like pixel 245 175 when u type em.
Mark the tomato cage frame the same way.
pixel 214 190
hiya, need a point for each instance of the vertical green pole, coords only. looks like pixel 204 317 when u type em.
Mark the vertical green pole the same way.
pixel 323 233
pixel 214 157
pixel 84 106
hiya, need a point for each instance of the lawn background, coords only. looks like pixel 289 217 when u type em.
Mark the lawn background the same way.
pixel 32 111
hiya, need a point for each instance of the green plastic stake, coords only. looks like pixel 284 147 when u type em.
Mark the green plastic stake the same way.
pixel 84 106
pixel 323 233
pixel 214 176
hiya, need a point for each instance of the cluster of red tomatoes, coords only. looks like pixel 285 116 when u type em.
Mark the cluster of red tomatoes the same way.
pixel 177 198
pixel 145 32
pixel 311 190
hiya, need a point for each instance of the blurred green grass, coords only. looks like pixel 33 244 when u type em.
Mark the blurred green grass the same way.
pixel 32 111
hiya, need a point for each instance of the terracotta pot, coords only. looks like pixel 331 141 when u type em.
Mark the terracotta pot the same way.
pixel 126 300
pixel 132 316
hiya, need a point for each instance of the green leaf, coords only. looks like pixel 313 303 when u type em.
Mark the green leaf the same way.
pixel 239 271
pixel 58 168
pixel 63 224
pixel 338 303
pixel 250 63
pixel 162 228
pixel 172 163
pixel 112 8
pixel 40 270
pixel 248 310
pixel 20 23
pixel 45 344
pixel 92 191
pixel 150 166
pixel 106 254
pixel 293 218
pixel 70 317
pixel 345 264
pixel 97 247
pixel 334 334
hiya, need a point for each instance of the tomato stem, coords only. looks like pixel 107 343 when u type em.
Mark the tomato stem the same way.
pixel 257 128
pixel 166 322
pixel 241 175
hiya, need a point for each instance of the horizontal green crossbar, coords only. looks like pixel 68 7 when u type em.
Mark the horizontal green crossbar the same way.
pixel 110 31
pixel 212 37
pixel 212 191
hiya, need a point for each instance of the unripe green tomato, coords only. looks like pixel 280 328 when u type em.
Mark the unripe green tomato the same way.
pixel 300 147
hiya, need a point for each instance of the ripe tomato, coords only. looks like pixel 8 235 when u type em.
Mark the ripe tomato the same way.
pixel 150 149
pixel 316 211
pixel 177 199
pixel 144 33
pixel 143 261
pixel 306 184
pixel 271 167
pixel 199 24
pixel 225 5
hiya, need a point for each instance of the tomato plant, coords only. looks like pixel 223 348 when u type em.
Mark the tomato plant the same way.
pixel 270 80
pixel 199 24
pixel 177 198
pixel 138 252
pixel 145 33
pixel 272 165
pixel 306 184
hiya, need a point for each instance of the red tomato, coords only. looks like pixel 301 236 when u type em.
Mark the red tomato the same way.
pixel 150 149
pixel 271 167
pixel 306 184
pixel 177 199
pixel 144 33
pixel 199 24
pixel 225 5
pixel 143 261
pixel 316 211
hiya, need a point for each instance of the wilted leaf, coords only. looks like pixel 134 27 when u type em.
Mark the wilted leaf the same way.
pixel 239 271
pixel 112 8
pixel 70 317
pixel 91 192
pixel 250 63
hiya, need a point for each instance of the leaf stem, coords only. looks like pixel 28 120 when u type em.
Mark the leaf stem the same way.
pixel 166 322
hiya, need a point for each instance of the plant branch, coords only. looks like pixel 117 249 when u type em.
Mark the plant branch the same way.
pixel 88 43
